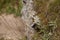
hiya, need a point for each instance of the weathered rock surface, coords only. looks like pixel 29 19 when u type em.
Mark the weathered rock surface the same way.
pixel 29 16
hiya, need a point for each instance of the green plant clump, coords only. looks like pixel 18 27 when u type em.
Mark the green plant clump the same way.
pixel 11 7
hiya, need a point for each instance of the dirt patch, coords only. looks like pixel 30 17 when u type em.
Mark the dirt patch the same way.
pixel 11 27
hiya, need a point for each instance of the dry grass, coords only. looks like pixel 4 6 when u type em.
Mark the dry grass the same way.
pixel 48 11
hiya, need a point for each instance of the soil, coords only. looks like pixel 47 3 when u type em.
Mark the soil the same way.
pixel 11 27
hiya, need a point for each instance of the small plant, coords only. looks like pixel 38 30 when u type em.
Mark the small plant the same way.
pixel 24 38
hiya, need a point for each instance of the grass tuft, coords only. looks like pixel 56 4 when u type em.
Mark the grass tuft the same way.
pixel 11 7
